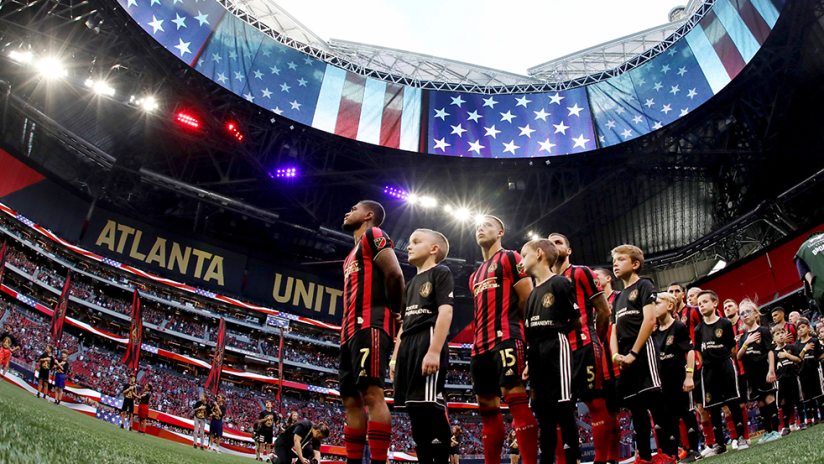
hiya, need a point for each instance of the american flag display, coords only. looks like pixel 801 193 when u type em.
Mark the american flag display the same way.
pixel 25 220
pixel 111 401
pixel 205 293
pixel 250 64
pixel 315 389
pixel 26 300
pixel 111 262
pixel 181 26
pixel 112 417
pixel 689 73
pixel 149 348
pixel 509 126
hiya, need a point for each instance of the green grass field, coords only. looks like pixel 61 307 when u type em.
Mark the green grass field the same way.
pixel 33 431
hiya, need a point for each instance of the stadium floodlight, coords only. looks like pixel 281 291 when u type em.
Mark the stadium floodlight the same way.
pixel 51 68
pixel 462 214
pixel 234 129
pixel 447 208
pixel 412 198
pixel 187 120
pixel 100 87
pixel 148 103
pixel 21 57
pixel 286 172
pixel 428 202
pixel 396 192
pixel 479 218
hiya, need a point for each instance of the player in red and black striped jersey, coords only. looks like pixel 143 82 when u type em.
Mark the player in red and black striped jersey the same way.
pixel 606 279
pixel 500 290
pixel 730 311
pixel 789 328
pixel 593 382
pixel 373 297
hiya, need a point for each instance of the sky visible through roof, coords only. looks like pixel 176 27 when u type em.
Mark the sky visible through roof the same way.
pixel 510 35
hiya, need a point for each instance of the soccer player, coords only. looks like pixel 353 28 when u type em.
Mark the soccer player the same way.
pixel 778 319
pixel 715 342
pixel 199 419
pixel 592 383
pixel 739 326
pixel 302 440
pixel 755 351
pixel 44 363
pixel 677 358
pixel 794 317
pixel 8 345
pixel 264 428
pixel 809 370
pixel 129 392
pixel 692 296
pixel 421 358
pixel 636 355
pixel 786 372
pixel 550 315
pixel 498 361
pixel 606 279
pixel 217 414
pixel 61 369
pixel 143 408
pixel 373 295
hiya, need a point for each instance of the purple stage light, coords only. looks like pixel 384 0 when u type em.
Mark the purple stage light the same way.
pixel 396 192
pixel 286 172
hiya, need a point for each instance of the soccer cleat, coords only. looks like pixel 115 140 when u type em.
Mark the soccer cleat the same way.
pixel 764 438
pixel 785 431
pixel 742 444
pixel 691 456
pixel 776 436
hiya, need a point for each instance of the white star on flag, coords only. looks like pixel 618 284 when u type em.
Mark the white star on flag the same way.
pixel 458 101
pixel 292 65
pixel 490 102
pixel 522 102
pixel 556 98
pixel 275 70
pixel 295 105
pixel 249 97
pixel 684 111
pixel 675 90
pixel 181 22
pixel 657 125
pixel 580 142
pixel 266 93
pixel 510 147
pixel 302 82
pixel 221 78
pixel 610 124
pixel 441 144
pixel 637 119
pixel 183 47
pixel 476 147
pixel 474 116
pixel 284 88
pixel 667 108
pixel 627 133
pixel 526 131
pixel 238 76
pixel 546 145
pixel 458 130
pixel 216 57
pixel 575 110
pixel 202 18
pixel 561 128
pixel 541 115
pixel 650 102
pixel 441 113
pixel 258 75
pixel 692 93
pixel 682 71
pixel 157 24
pixel 491 132
pixel 508 116
pixel 657 86
pixel 277 110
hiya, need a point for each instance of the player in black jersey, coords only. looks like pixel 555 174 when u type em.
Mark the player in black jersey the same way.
pixel 606 280
pixel 755 351
pixel 301 440
pixel 637 357
pixel 677 370
pixel 550 314
pixel 809 370
pixel 44 366
pixel 264 430
pixel 786 373
pixel 420 359
pixel 373 299
pixel 715 341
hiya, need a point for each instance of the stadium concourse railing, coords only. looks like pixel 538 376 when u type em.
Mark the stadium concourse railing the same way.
pixel 222 299
pixel 155 350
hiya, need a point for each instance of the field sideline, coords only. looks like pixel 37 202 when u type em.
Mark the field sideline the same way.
pixel 33 431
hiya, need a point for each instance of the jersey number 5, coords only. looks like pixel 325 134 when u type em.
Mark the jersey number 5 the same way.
pixel 507 357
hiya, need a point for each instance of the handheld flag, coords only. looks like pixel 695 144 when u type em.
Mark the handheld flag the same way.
pixel 59 316
pixel 213 382
pixel 2 262
pixel 132 356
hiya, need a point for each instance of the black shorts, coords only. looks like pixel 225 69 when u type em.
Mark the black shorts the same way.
pixel 285 454
pixel 550 376
pixel 675 396
pixel 720 384
pixel 643 374
pixel 363 361
pixel 502 366
pixel 811 385
pixel 43 374
pixel 743 385
pixel 411 387
pixel 128 405
pixel 263 436
pixel 455 451
pixel 758 387
pixel 698 391
pixel 789 392
pixel 514 451
pixel 589 371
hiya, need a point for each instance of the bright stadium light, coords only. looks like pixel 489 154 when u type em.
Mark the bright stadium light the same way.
pixel 428 202
pixel 462 214
pixel 148 103
pixel 51 68
pixel 447 208
pixel 100 87
pixel 479 218
pixel 412 198
pixel 20 57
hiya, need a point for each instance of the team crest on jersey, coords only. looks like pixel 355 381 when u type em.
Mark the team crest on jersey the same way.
pixel 493 267
pixel 426 289
pixel 708 397
pixel 633 295
pixel 500 333
pixel 380 242
pixel 670 339
pixel 719 332
pixel 684 319
pixel 548 300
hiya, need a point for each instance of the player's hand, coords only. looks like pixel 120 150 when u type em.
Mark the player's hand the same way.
pixel 783 354
pixel 809 346
pixel 397 317
pixel 619 361
pixel 753 338
pixel 392 372
pixel 689 385
pixel 771 377
pixel 627 360
pixel 525 375
pixel 431 363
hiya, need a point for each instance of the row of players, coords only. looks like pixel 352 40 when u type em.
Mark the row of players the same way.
pixel 540 319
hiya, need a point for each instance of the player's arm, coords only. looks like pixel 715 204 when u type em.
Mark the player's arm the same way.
pixel 387 262
pixel 432 359
pixel 523 287
pixel 395 356
pixel 613 344
pixel 644 332
pixel 298 449
pixel 602 315
pixel 317 454
pixel 689 384
pixel 771 372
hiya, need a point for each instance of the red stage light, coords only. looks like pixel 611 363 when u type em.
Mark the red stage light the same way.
pixel 188 120
pixel 235 131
